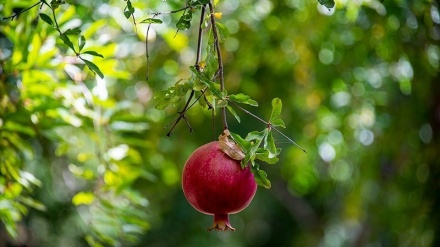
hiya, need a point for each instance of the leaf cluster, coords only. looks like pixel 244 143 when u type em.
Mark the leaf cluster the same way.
pixel 184 22
pixel 260 145
pixel 70 34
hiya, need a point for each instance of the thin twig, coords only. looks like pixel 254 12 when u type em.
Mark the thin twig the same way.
pixel 134 22
pixel 148 32
pixel 198 57
pixel 21 12
pixel 171 12
pixel 146 48
pixel 219 59
pixel 268 124
pixel 55 20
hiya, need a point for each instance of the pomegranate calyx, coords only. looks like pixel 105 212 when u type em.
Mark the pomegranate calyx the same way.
pixel 229 147
pixel 221 223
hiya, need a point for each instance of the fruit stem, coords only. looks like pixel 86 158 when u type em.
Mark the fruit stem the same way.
pixel 221 223
pixel 219 59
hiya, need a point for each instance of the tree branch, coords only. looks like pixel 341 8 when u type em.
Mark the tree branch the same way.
pixel 21 12
pixel 148 32
pixel 197 66
pixel 219 59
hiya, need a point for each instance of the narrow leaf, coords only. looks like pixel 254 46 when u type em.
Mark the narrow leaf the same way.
pixel 223 31
pixel 46 19
pixel 33 203
pixel 243 98
pixel 245 145
pixel 247 158
pixel 152 21
pixel 82 42
pixel 67 41
pixel 93 67
pixel 75 31
pixel 261 177
pixel 93 53
pixel 233 112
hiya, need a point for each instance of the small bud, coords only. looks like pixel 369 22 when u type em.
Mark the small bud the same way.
pixel 202 65
pixel 218 15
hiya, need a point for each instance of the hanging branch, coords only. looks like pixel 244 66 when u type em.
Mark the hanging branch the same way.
pixel 146 47
pixel 148 32
pixel 219 59
pixel 197 66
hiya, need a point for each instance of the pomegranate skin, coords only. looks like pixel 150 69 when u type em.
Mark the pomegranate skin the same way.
pixel 215 184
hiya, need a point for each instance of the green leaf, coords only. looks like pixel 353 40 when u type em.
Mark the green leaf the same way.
pixel 276 109
pixel 75 31
pixel 83 198
pixel 327 3
pixel 261 177
pixel 93 53
pixel 28 201
pixel 211 61
pixel 82 42
pixel 184 22
pixel 242 98
pixel 152 21
pixel 183 25
pixel 128 10
pixel 46 19
pixel 173 94
pixel 244 145
pixel 67 41
pixel 127 14
pixel 56 3
pixel 19 128
pixel 247 158
pixel 11 228
pixel 256 136
pixel 269 145
pixel 278 123
pixel 213 87
pixel 265 156
pixel 233 112
pixel 223 31
pixel 93 67
pixel 162 98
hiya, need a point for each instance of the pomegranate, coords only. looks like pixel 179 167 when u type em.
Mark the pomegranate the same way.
pixel 215 184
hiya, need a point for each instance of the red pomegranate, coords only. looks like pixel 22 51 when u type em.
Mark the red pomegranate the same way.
pixel 215 184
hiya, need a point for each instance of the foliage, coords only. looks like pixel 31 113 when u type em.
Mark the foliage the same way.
pixel 84 158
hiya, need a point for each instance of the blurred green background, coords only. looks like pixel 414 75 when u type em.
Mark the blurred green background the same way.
pixel 85 161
